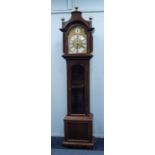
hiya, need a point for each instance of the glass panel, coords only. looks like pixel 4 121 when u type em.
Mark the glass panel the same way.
pixel 78 101
pixel 77 89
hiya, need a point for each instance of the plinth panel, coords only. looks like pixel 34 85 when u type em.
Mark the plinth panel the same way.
pixel 77 131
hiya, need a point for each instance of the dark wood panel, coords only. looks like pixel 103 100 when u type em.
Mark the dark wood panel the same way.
pixel 78 131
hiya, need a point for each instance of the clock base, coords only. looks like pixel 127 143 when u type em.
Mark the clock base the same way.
pixel 78 131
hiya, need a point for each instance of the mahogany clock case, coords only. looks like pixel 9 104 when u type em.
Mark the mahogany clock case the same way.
pixel 78 123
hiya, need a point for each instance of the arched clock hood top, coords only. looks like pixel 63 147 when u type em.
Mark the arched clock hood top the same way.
pixel 76 17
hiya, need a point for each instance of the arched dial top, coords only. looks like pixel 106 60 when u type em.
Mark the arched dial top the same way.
pixel 77 40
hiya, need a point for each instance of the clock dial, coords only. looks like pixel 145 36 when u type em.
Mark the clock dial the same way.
pixel 77 40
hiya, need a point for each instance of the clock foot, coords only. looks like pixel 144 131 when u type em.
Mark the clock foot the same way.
pixel 79 144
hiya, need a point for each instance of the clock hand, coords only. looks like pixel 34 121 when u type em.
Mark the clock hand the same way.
pixel 76 47
pixel 77 42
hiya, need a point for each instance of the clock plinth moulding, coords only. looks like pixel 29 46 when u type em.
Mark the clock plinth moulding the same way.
pixel 77 50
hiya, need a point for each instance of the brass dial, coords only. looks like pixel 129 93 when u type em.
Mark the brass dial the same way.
pixel 77 40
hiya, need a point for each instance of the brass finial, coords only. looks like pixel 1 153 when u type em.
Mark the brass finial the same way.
pixel 90 18
pixel 62 19
pixel 76 8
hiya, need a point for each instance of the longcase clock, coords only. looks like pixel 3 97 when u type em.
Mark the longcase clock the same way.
pixel 77 49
